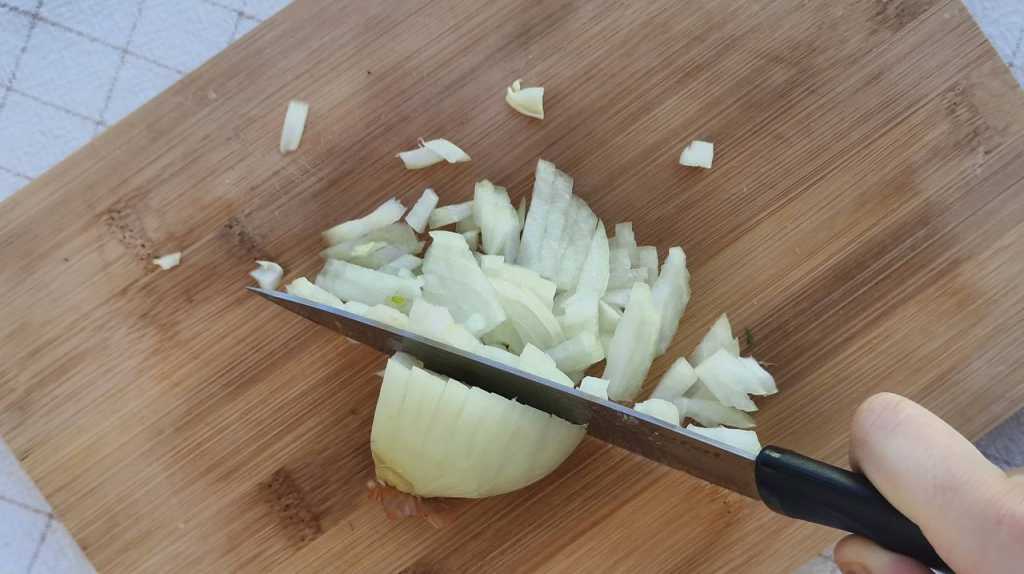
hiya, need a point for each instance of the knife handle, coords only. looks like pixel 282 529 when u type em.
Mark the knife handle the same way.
pixel 801 487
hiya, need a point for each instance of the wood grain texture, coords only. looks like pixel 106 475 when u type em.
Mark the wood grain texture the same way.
pixel 864 218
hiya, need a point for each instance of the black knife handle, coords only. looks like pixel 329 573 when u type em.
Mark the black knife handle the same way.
pixel 810 490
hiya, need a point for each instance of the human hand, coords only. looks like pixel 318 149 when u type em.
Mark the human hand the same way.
pixel 969 509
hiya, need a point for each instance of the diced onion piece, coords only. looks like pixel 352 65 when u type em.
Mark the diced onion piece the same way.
pixel 499 355
pixel 595 386
pixel 533 360
pixel 354 283
pixel 633 345
pixel 624 237
pixel 577 240
pixel 530 255
pixel 607 317
pixel 641 274
pixel 446 149
pixel 388 316
pixel 645 257
pixel 577 353
pixel 527 314
pixel 676 381
pixel 558 221
pixel 396 235
pixel 495 267
pixel 718 373
pixel 618 297
pixel 429 320
pixel 497 218
pixel 659 409
pixel 719 336
pixel 421 210
pixel 671 293
pixel 506 337
pixel 472 238
pixel 450 214
pixel 433 437
pixel 302 287
pixel 580 315
pixel 619 275
pixel 593 275
pixel 711 413
pixel 387 213
pixel 744 373
pixel 294 125
pixel 744 440
pixel 468 224
pixel 420 158
pixel 698 154
pixel 169 261
pixel 521 212
pixel 268 274
pixel 453 279
pixel 527 101
pixel 403 266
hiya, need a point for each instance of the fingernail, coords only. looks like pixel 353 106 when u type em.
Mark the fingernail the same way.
pixel 853 568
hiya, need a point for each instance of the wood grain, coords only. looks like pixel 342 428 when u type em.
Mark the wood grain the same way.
pixel 864 219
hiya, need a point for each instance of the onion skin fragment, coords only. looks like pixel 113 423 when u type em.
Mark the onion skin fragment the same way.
pixel 438 512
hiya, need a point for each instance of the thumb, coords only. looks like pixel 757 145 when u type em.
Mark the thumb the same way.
pixel 857 555
pixel 967 507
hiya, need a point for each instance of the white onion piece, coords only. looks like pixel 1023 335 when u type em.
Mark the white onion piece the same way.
pixel 558 220
pixel 527 101
pixel 577 353
pixel 618 297
pixel 645 257
pixel 387 213
pixel 719 336
pixel 698 154
pixel 169 261
pixel 420 158
pixel 633 345
pixel 495 267
pixel 624 237
pixel 387 315
pixel 472 238
pixel 619 275
pixel 593 275
pixel 450 214
pixel 429 320
pixel 356 307
pixel 580 315
pixel 354 283
pixel 268 274
pixel 433 437
pixel 446 149
pixel 579 236
pixel 744 373
pixel 453 279
pixel 595 386
pixel 641 274
pixel 659 409
pixel 505 337
pixel 497 218
pixel 403 266
pixel 700 391
pixel 671 293
pixel 676 381
pixel 530 255
pixel 397 235
pixel 294 125
pixel 528 315
pixel 537 362
pixel 711 413
pixel 719 374
pixel 607 317
pixel 421 210
pixel 745 440
pixel 521 212
pixel 498 354
pixel 302 287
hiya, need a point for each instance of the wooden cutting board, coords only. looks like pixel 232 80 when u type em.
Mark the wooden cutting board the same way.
pixel 864 218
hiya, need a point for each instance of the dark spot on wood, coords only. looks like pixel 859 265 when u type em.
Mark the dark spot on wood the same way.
pixel 66 260
pixel 353 411
pixel 244 238
pixel 966 120
pixel 23 455
pixel 291 507
pixel 126 227
pixel 894 15
pixel 368 73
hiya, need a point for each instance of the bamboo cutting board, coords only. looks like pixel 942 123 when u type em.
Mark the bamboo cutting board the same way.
pixel 864 219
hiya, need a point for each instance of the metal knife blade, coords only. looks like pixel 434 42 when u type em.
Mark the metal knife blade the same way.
pixel 621 426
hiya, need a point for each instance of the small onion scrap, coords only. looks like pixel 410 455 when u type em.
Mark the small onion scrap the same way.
pixel 294 125
pixel 431 152
pixel 169 261
pixel 698 154
pixel 527 101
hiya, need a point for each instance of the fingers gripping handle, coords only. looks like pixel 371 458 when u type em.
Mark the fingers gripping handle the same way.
pixel 810 490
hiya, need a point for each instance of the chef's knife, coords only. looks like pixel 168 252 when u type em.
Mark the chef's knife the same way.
pixel 787 482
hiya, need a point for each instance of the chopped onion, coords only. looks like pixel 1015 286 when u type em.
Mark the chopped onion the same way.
pixel 528 315
pixel 533 360
pixel 633 345
pixel 577 353
pixel 719 336
pixel 676 381
pixel 354 283
pixel 450 214
pixel 387 213
pixel 407 263
pixel 641 274
pixel 711 413
pixel 557 222
pixel 718 373
pixel 497 218
pixel 468 224
pixel 388 316
pixel 607 317
pixel 398 236
pixel 530 254
pixel 624 237
pixel 645 257
pixel 453 278
pixel 659 409
pixel 671 293
pixel 618 297
pixel 595 386
pixel 698 154
pixel 431 152
pixel 744 373
pixel 527 101
pixel 579 235
pixel 169 261
pixel 429 320
pixel 580 315
pixel 434 437
pixel 268 274
pixel 521 212
pixel 294 125
pixel 472 238
pixel 593 276
pixel 495 267
pixel 302 287
pixel 421 210
pixel 744 440
pixel 619 275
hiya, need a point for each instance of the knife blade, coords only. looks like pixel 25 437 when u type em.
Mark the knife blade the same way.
pixel 787 482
